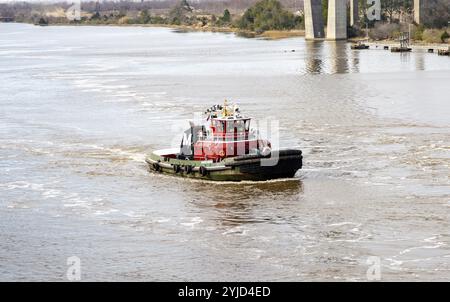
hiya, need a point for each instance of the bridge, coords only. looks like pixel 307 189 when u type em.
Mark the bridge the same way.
pixel 336 22
pixel 423 10
pixel 337 17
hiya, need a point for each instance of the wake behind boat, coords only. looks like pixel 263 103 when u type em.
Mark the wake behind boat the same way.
pixel 224 148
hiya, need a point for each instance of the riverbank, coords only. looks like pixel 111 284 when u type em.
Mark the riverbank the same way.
pixel 269 35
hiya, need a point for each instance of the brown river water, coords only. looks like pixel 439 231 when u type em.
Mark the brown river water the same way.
pixel 81 107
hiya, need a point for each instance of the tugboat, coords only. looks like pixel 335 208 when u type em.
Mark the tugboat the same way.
pixel 223 147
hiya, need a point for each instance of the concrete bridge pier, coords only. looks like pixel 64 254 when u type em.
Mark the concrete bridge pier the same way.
pixel 314 28
pixel 354 13
pixel 426 10
pixel 417 9
pixel 337 20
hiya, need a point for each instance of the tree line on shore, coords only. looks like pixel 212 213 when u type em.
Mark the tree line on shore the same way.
pixel 262 16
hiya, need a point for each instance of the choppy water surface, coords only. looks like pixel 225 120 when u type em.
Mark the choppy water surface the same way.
pixel 81 106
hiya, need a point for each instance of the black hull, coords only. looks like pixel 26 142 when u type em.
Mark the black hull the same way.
pixel 282 164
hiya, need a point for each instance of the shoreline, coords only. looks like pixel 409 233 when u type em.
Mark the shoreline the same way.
pixel 268 35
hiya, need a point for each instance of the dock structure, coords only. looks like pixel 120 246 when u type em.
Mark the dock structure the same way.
pixel 444 52
pixel 314 27
pixel 337 20
pixel 404 43
pixel 354 13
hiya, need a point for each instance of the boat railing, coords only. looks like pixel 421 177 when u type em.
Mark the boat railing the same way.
pixel 229 138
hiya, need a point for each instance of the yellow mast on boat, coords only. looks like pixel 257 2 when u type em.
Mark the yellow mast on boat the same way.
pixel 225 110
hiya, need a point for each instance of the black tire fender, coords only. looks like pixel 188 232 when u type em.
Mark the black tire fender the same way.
pixel 203 171
pixel 188 169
